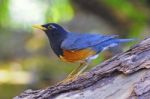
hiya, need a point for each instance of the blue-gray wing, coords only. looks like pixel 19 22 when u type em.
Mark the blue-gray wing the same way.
pixel 76 41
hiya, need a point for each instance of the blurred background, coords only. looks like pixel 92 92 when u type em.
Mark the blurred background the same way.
pixel 26 59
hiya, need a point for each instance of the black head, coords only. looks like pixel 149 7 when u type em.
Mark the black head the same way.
pixel 56 34
pixel 53 31
pixel 50 27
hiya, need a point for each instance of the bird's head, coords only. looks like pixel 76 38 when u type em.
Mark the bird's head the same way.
pixel 55 32
pixel 50 27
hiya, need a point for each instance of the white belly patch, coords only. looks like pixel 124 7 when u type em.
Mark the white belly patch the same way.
pixel 93 57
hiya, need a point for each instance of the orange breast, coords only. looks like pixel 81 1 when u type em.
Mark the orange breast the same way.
pixel 78 55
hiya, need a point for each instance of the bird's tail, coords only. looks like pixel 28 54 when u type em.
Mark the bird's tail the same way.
pixel 111 43
pixel 124 40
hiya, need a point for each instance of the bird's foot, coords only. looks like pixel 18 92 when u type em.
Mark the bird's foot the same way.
pixel 70 78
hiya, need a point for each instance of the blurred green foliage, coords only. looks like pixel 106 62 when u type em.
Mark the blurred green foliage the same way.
pixel 8 91
pixel 4 13
pixel 59 11
pixel 131 12
pixel 26 55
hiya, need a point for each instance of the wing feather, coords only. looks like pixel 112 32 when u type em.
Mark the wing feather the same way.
pixel 76 41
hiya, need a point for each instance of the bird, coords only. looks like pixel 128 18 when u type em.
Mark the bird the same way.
pixel 78 47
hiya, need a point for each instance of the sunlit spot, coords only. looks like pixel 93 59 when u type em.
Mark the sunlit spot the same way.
pixel 27 11
pixel 14 77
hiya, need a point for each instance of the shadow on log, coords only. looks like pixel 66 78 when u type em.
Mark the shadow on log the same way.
pixel 125 76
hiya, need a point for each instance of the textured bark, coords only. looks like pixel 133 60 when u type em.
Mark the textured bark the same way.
pixel 125 76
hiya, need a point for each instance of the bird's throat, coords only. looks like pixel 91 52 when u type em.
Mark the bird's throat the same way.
pixel 56 39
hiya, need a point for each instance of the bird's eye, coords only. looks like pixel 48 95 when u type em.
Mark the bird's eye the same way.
pixel 49 27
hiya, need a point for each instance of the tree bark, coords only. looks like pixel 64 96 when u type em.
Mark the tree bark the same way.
pixel 124 76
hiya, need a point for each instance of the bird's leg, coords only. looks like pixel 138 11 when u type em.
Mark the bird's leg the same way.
pixel 82 69
pixel 75 73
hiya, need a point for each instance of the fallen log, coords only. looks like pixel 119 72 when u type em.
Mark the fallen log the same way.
pixel 124 76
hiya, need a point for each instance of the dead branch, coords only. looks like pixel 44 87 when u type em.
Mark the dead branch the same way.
pixel 125 76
